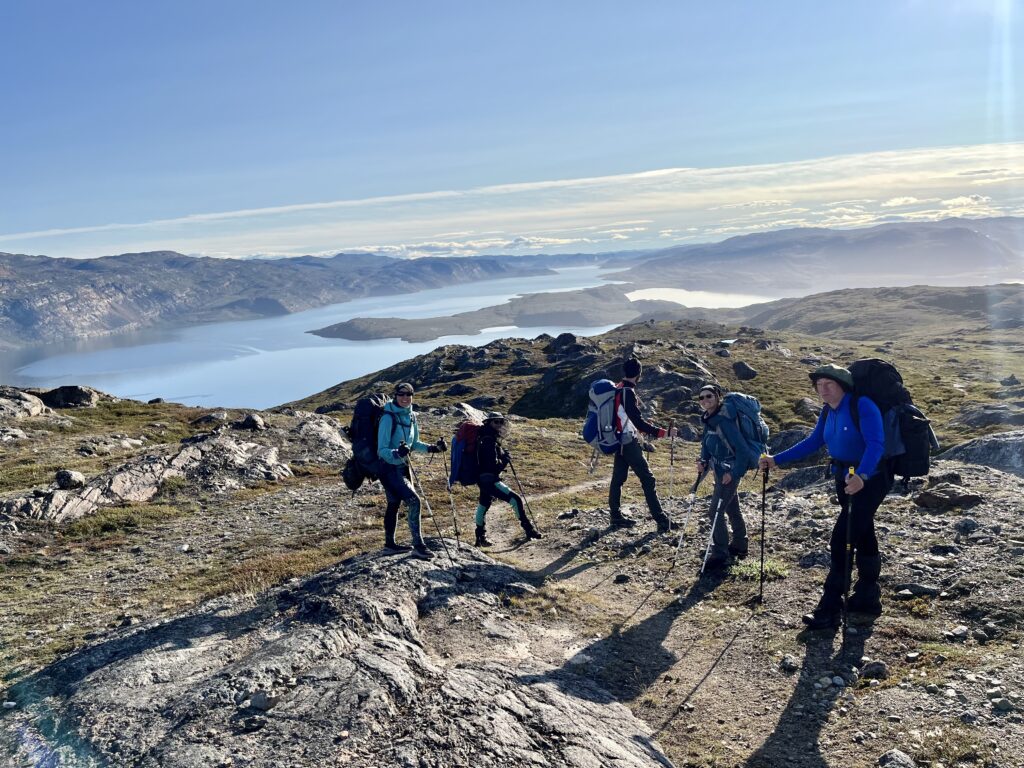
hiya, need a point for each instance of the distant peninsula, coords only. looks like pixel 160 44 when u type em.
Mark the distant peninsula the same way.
pixel 604 305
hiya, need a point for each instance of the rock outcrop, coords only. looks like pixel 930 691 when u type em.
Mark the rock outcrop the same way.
pixel 334 670
pixel 1003 451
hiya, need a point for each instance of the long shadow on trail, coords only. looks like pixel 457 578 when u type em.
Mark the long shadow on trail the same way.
pixel 795 740
pixel 628 662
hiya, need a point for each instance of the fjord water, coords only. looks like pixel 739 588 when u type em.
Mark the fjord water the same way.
pixel 266 362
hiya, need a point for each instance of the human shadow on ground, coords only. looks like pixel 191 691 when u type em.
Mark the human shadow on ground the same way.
pixel 628 661
pixel 795 740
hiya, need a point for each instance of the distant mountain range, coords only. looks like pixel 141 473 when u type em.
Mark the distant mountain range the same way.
pixel 45 300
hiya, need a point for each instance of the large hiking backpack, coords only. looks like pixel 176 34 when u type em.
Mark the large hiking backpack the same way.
pixel 465 468
pixel 908 433
pixel 745 410
pixel 362 433
pixel 604 424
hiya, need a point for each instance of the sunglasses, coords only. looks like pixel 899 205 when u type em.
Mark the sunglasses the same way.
pixel 708 396
pixel 403 394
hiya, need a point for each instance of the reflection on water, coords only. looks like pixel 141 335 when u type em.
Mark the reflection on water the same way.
pixel 261 363
pixel 697 298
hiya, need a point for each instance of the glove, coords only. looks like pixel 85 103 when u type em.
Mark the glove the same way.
pixel 402 451
pixel 506 457
pixel 441 446
pixel 649 447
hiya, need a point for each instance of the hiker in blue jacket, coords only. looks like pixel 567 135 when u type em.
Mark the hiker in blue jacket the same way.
pixel 397 435
pixel 491 459
pixel 723 448
pixel 861 492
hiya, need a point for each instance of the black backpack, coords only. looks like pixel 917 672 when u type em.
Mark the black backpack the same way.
pixel 362 432
pixel 909 437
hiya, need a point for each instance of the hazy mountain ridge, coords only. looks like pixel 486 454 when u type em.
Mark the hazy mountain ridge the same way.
pixel 45 300
pixel 948 252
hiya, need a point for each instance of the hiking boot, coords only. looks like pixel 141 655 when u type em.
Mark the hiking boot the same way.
pixel 391 546
pixel 531 532
pixel 823 618
pixel 716 564
pixel 738 552
pixel 619 520
pixel 666 525
pixel 481 537
pixel 868 602
pixel 421 552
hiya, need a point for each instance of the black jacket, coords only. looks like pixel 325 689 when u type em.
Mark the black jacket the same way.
pixel 631 404
pixel 490 458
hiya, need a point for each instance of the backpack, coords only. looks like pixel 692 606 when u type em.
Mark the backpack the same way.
pixel 362 433
pixel 352 474
pixel 909 437
pixel 603 427
pixel 465 469
pixel 745 410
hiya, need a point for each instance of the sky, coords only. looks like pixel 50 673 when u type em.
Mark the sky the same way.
pixel 455 127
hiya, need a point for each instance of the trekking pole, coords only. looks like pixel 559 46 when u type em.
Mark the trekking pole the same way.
pixel 686 520
pixel 593 462
pixel 526 502
pixel 714 523
pixel 847 563
pixel 426 501
pixel 451 500
pixel 672 459
pixel 764 495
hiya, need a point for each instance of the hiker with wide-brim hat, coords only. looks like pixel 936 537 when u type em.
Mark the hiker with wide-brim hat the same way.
pixel 719 447
pixel 860 493
pixel 398 435
pixel 492 459
pixel 631 455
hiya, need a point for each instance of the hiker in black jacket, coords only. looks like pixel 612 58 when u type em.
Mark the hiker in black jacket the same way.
pixel 491 460
pixel 631 455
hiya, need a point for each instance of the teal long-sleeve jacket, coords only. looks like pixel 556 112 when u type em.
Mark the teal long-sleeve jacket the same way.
pixel 398 425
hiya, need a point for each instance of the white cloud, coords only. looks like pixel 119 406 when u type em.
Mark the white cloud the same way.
pixel 899 202
pixel 967 200
pixel 649 207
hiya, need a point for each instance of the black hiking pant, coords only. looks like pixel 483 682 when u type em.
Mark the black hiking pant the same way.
pixel 398 488
pixel 862 507
pixel 631 456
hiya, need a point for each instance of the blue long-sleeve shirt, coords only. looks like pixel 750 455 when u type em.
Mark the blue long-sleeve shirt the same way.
pixel 861 448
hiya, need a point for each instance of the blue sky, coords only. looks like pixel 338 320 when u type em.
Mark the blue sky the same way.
pixel 230 128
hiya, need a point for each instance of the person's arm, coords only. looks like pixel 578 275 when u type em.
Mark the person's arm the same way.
pixel 813 442
pixel 633 412
pixel 414 435
pixel 385 429
pixel 873 433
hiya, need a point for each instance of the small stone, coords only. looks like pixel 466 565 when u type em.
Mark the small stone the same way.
pixel 184 548
pixel 875 670
pixel 932 688
pixel 959 633
pixel 994 693
pixel 838 682
pixel 913 656
pixel 621 578
pixel 262 701
pixel 789 663
pixel 969 716
pixel 1002 705
pixel 896 758
pixel 10 704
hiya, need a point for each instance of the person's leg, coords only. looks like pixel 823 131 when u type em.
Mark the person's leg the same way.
pixel 391 514
pixel 828 613
pixel 506 494
pixel 867 594
pixel 633 453
pixel 620 470
pixel 738 544
pixel 483 504
pixel 719 555
pixel 399 479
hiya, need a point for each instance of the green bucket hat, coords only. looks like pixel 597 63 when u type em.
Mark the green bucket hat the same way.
pixel 835 372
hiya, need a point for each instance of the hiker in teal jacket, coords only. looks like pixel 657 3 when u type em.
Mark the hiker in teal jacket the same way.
pixel 397 435
pixel 849 446
pixel 727 454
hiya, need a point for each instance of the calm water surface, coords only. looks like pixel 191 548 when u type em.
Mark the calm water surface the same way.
pixel 261 363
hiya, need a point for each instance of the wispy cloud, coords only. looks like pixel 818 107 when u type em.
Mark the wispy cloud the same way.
pixel 650 209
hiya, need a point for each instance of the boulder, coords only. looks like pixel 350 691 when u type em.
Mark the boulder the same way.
pixel 743 371
pixel 945 495
pixel 989 414
pixel 459 389
pixel 1010 381
pixel 73 396
pixel 251 421
pixel 68 479
pixel 15 404
pixel 807 407
pixel 1004 451
pixel 896 758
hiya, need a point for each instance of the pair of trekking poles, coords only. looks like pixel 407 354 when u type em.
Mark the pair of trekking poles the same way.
pixel 718 511
pixel 451 500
